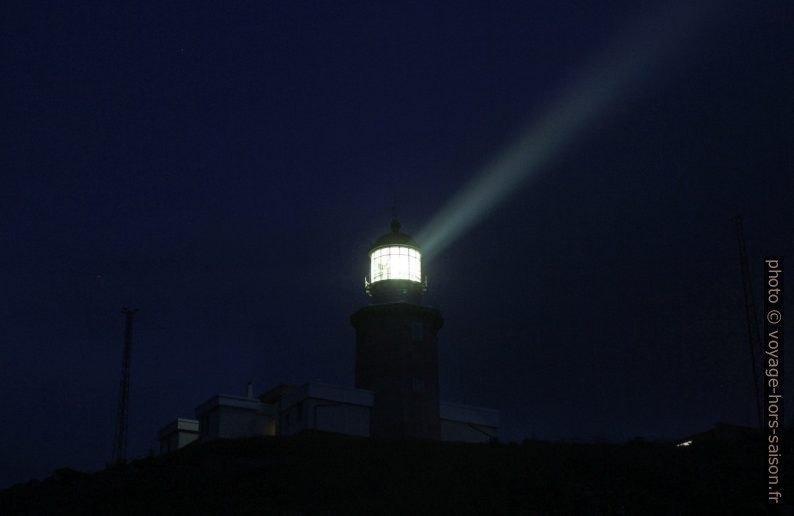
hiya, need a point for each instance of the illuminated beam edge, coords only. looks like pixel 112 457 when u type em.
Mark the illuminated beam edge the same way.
pixel 612 76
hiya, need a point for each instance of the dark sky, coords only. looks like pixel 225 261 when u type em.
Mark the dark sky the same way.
pixel 224 169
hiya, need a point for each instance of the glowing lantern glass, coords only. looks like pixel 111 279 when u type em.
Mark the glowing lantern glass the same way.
pixel 396 262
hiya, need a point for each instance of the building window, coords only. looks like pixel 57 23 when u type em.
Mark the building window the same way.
pixel 300 411
pixel 395 262
pixel 286 421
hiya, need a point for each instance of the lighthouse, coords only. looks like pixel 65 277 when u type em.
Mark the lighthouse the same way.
pixel 395 396
pixel 397 342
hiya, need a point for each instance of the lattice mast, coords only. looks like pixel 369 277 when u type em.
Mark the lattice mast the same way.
pixel 122 410
pixel 753 333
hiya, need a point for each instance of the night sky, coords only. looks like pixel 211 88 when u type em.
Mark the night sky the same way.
pixel 224 169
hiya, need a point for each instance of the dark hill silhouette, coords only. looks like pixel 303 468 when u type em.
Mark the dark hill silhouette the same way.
pixel 315 473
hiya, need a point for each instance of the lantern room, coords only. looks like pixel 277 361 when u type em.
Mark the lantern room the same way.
pixel 395 262
pixel 395 272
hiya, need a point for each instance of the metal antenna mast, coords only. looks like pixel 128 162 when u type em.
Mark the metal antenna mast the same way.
pixel 120 441
pixel 753 333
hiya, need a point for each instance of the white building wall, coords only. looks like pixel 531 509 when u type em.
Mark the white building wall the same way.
pixel 326 408
pixel 313 406
pixel 177 434
pixel 230 417
pixel 236 422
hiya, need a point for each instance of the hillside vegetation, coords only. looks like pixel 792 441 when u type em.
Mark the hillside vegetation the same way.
pixel 316 473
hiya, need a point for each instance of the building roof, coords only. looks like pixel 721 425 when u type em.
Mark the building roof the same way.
pixel 180 424
pixel 468 414
pixel 332 393
pixel 394 237
pixel 240 402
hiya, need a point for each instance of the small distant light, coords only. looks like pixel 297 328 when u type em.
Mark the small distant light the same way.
pixel 685 443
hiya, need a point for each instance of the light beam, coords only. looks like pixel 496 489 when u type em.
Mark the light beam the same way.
pixel 652 37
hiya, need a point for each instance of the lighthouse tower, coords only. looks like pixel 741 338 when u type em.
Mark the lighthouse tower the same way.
pixel 396 342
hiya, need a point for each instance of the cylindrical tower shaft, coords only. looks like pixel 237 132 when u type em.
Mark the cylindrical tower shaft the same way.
pixel 396 343
pixel 397 358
